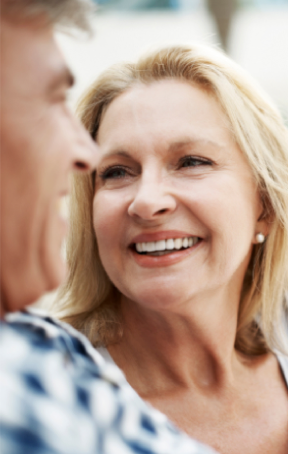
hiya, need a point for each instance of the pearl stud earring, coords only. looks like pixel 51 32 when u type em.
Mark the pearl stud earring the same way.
pixel 260 238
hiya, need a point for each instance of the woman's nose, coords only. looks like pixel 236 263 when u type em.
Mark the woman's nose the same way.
pixel 152 201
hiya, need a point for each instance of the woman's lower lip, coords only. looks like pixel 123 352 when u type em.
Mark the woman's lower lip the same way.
pixel 149 261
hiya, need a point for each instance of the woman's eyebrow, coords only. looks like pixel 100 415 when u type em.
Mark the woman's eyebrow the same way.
pixel 173 147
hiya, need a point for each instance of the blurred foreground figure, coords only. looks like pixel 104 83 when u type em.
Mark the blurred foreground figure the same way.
pixel 57 394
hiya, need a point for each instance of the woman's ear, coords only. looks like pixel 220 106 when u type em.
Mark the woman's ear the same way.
pixel 264 222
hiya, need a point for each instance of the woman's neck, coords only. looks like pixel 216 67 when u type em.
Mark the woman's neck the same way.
pixel 164 350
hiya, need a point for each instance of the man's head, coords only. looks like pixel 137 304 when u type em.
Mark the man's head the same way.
pixel 41 143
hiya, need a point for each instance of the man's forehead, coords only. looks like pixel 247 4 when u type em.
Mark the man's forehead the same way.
pixel 50 63
pixel 31 52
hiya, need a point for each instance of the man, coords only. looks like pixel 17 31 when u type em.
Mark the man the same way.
pixel 57 395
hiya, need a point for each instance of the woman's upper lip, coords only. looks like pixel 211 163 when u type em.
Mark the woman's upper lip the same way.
pixel 157 236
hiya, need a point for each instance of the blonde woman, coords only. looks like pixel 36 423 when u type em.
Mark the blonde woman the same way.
pixel 179 245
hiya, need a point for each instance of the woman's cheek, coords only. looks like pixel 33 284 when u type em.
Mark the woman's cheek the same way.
pixel 106 219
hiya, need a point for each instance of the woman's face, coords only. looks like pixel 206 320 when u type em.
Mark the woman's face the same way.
pixel 176 207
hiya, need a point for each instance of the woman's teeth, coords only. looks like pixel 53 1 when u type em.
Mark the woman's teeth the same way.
pixel 166 246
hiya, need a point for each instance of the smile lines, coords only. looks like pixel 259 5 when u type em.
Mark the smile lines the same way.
pixel 166 246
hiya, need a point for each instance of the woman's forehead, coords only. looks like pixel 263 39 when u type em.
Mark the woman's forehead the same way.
pixel 170 106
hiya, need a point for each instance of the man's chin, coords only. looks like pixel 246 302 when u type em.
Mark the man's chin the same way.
pixel 15 300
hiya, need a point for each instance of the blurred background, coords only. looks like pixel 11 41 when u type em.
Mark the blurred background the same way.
pixel 253 32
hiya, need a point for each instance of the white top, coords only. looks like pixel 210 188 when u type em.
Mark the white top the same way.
pixel 282 359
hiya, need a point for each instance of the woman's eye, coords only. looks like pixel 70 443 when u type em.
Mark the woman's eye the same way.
pixel 193 161
pixel 113 173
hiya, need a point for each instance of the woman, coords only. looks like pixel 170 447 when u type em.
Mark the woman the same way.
pixel 182 269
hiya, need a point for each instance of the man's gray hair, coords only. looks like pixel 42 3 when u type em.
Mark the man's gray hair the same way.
pixel 66 13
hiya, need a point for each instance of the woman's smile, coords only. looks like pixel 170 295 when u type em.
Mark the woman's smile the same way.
pixel 162 248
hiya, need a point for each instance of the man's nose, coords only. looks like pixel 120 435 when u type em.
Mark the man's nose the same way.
pixel 152 201
pixel 85 151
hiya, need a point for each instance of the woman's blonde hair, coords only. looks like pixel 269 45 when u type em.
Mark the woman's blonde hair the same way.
pixel 89 301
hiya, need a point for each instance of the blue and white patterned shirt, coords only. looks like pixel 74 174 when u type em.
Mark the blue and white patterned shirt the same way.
pixel 58 396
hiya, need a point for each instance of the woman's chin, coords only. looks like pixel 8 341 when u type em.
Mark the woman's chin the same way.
pixel 159 298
